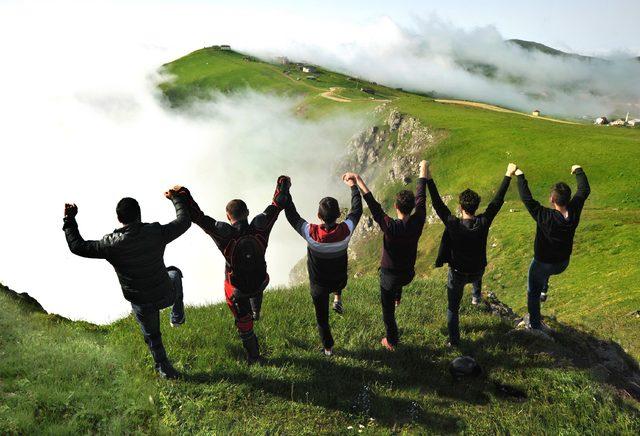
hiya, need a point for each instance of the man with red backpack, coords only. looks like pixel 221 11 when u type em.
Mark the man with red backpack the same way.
pixel 243 245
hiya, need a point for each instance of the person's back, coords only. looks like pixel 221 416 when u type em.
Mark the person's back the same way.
pixel 555 232
pixel 399 247
pixel 136 253
pixel 464 245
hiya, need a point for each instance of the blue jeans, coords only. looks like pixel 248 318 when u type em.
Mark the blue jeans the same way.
pixel 455 287
pixel 177 311
pixel 148 317
pixel 538 282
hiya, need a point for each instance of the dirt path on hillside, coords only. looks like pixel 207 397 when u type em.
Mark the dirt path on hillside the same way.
pixel 500 109
pixel 329 94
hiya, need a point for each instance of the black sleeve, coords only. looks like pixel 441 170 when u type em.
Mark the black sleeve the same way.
pixel 421 199
pixel 297 222
pixel 498 200
pixel 441 209
pixel 182 222
pixel 379 216
pixel 581 195
pixel 356 206
pixel 80 247
pixel 533 206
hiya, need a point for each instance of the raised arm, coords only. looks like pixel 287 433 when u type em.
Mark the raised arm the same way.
pixel 77 244
pixel 355 213
pixel 379 216
pixel 421 194
pixel 281 198
pixel 218 231
pixel 181 224
pixel 498 200
pixel 297 222
pixel 529 202
pixel 584 189
pixel 441 209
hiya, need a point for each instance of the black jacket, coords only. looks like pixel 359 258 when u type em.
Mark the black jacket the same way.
pixel 136 253
pixel 464 242
pixel 554 233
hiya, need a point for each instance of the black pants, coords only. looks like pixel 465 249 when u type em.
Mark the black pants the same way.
pixel 148 317
pixel 455 287
pixel 391 284
pixel 320 296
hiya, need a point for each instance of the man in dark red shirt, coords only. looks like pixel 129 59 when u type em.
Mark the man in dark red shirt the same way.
pixel 399 248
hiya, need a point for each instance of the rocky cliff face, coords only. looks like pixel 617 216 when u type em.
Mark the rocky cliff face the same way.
pixel 386 153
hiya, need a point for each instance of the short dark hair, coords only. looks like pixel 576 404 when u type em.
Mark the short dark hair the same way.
pixel 561 194
pixel 405 201
pixel 329 210
pixel 128 210
pixel 469 201
pixel 237 209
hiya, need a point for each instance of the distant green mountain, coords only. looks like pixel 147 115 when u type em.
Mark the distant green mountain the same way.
pixel 536 46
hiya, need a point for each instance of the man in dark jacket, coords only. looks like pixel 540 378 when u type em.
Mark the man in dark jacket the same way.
pixel 464 245
pixel 555 229
pixel 327 260
pixel 399 247
pixel 136 252
pixel 243 245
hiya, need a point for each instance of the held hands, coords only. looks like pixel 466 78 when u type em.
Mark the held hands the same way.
pixel 70 210
pixel 350 179
pixel 176 190
pixel 574 168
pixel 511 169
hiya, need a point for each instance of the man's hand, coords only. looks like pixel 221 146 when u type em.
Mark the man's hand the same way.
pixel 176 190
pixel 519 172
pixel 511 169
pixel 350 179
pixel 284 182
pixel 70 210
pixel 574 168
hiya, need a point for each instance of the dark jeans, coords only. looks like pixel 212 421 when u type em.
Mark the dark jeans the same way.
pixel 391 285
pixel 148 317
pixel 177 311
pixel 538 282
pixel 320 296
pixel 455 288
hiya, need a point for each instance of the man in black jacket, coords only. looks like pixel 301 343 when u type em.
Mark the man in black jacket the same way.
pixel 399 247
pixel 555 229
pixel 136 252
pixel 327 259
pixel 464 245
pixel 243 245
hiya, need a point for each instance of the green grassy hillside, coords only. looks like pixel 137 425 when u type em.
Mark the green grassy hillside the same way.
pixel 66 378
pixel 62 377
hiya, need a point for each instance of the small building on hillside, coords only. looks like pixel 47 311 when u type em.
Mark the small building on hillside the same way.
pixel 282 60
pixel 309 69
pixel 536 113
pixel 618 123
pixel 226 47
pixel 601 121
pixel 368 90
pixel 634 123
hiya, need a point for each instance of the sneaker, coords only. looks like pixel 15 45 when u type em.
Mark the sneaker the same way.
pixel 166 370
pixel 177 323
pixel 453 344
pixel 476 300
pixel 255 360
pixel 387 345
pixel 255 316
pixel 397 302
pixel 337 306
pixel 327 352
pixel 543 297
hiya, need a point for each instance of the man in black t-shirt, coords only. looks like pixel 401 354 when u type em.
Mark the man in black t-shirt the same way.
pixel 555 230
pixel 464 245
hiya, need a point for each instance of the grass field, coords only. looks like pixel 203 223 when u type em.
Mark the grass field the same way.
pixel 61 377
